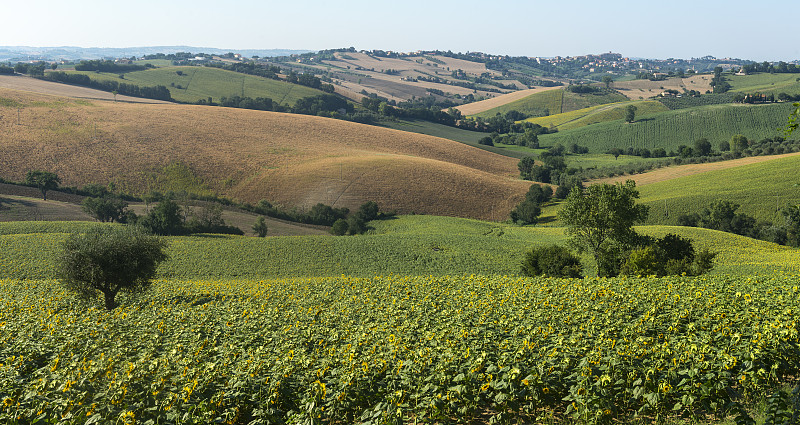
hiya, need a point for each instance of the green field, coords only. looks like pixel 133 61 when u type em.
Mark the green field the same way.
pixel 553 102
pixel 759 188
pixel 765 83
pixel 597 114
pixel 200 83
pixel 424 320
pixel 670 129
pixel 409 245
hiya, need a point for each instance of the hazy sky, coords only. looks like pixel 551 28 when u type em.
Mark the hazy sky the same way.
pixel 653 29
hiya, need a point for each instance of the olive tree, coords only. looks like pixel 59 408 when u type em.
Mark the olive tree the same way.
pixel 600 220
pixel 109 260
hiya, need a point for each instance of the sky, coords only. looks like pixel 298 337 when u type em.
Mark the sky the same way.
pixel 647 29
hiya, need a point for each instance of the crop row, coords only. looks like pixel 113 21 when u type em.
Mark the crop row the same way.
pixel 397 349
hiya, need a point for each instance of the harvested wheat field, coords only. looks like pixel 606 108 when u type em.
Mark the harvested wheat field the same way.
pixel 294 160
pixel 636 89
pixel 674 172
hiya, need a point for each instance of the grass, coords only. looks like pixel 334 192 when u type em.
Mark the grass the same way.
pixel 407 245
pixel 670 129
pixel 538 104
pixel 759 188
pixel 596 114
pixel 765 83
pixel 200 83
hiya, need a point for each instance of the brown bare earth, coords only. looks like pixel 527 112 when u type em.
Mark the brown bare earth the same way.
pixel 57 89
pixel 485 105
pixel 669 173
pixel 291 160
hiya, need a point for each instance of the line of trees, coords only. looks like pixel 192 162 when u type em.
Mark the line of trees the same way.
pixel 159 92
pixel 109 66
pixel 721 215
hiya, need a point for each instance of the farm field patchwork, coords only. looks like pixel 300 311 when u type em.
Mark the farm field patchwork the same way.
pixel 597 114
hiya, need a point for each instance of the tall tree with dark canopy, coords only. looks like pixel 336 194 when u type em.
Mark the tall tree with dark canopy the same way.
pixel 43 180
pixel 109 260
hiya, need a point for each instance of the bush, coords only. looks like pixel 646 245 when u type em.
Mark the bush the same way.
pixel 670 255
pixel 109 260
pixel 339 227
pixel 553 260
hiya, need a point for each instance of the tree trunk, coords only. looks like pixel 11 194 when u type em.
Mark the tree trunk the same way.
pixel 109 300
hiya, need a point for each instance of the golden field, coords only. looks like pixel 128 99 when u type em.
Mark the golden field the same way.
pixel 294 160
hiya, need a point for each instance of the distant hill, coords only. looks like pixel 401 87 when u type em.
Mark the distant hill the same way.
pixel 27 53
pixel 293 160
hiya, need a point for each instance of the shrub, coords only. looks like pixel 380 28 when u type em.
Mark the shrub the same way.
pixel 552 260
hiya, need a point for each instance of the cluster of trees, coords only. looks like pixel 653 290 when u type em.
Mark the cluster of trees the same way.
pixel 528 211
pixel 6 70
pixel 719 84
pixel 321 104
pixel 721 215
pixel 553 168
pixel 309 80
pixel 356 223
pixel 32 69
pixel 159 92
pixel 249 68
pixel 643 152
pixel 781 68
pixel 600 222
pixel 109 66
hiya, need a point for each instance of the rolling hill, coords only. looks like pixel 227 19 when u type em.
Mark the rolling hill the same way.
pixel 192 83
pixel 293 160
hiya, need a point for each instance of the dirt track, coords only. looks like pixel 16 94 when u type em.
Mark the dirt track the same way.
pixel 674 172
pixel 65 90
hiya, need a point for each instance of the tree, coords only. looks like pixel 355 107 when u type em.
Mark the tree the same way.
pixel 368 211
pixel 702 147
pixel 794 119
pixel 339 227
pixel 526 212
pixel 600 220
pixel 630 114
pixel 553 260
pixel 607 80
pixel 106 208
pixel 108 260
pixel 44 180
pixel 165 219
pixel 616 152
pixel 260 227
pixel 739 143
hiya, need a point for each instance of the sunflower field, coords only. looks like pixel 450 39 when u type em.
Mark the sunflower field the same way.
pixel 396 349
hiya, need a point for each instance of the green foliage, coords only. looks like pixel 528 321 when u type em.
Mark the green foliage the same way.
pixel 260 227
pixel 526 212
pixel 669 255
pixel 630 113
pixel 600 220
pixel 339 227
pixel 165 219
pixel 43 180
pixel 553 261
pixel 108 260
pixel 108 209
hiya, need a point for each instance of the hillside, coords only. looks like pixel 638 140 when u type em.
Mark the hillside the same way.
pixel 551 102
pixel 679 127
pixel 57 89
pixel 190 84
pixel 596 114
pixel 251 155
pixel 759 184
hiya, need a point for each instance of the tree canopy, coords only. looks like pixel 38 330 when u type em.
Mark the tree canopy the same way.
pixel 43 180
pixel 600 218
pixel 107 260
